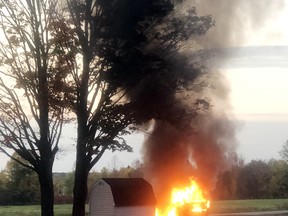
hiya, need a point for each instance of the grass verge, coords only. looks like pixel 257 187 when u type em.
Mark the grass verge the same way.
pixel 229 206
pixel 34 210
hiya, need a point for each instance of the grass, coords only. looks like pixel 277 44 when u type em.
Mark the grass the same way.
pixel 216 207
pixel 248 205
pixel 34 210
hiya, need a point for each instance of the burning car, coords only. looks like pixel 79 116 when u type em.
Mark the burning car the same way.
pixel 193 208
pixel 186 201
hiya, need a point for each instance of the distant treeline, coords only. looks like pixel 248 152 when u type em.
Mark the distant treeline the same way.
pixel 257 179
pixel 20 186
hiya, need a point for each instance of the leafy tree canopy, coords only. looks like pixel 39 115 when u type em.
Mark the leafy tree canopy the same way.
pixel 284 151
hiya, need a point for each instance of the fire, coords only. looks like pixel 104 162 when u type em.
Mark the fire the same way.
pixel 185 201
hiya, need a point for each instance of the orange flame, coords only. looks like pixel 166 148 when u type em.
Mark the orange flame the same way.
pixel 187 200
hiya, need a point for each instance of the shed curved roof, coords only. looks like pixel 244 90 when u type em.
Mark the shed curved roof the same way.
pixel 131 191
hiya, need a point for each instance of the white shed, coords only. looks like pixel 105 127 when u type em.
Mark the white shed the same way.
pixel 122 197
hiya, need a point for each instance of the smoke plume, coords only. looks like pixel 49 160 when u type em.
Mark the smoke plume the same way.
pixel 172 154
pixel 235 20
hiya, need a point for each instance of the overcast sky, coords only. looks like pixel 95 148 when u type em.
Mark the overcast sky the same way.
pixel 259 91
pixel 259 97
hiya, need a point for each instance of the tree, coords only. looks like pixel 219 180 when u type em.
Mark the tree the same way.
pixel 23 185
pixel 4 194
pixel 227 181
pixel 62 192
pixel 224 186
pixel 69 182
pixel 253 180
pixel 278 184
pixel 30 96
pixel 284 151
pixel 130 64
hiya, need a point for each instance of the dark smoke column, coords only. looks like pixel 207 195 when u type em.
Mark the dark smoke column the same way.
pixel 203 146
pixel 173 153
pixel 195 137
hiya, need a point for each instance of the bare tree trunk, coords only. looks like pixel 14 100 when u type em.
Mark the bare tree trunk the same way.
pixel 80 190
pixel 82 161
pixel 46 188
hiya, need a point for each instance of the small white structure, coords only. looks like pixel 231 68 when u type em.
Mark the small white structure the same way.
pixel 122 197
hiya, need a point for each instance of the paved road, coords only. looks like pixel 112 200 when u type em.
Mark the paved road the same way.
pixel 284 212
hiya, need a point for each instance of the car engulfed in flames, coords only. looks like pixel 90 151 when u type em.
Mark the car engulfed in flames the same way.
pixel 186 201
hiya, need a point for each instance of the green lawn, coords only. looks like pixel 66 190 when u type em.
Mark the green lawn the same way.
pixel 249 205
pixel 216 207
pixel 34 210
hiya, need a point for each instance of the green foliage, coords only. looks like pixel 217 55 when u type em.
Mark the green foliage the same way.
pixel 255 180
pixel 21 186
pixel 279 181
pixel 224 189
pixel 124 172
pixel 62 195
pixel 284 151
pixel 3 179
pixel 69 183
pixel 4 191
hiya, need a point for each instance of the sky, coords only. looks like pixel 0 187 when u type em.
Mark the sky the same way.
pixel 258 95
pixel 257 77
